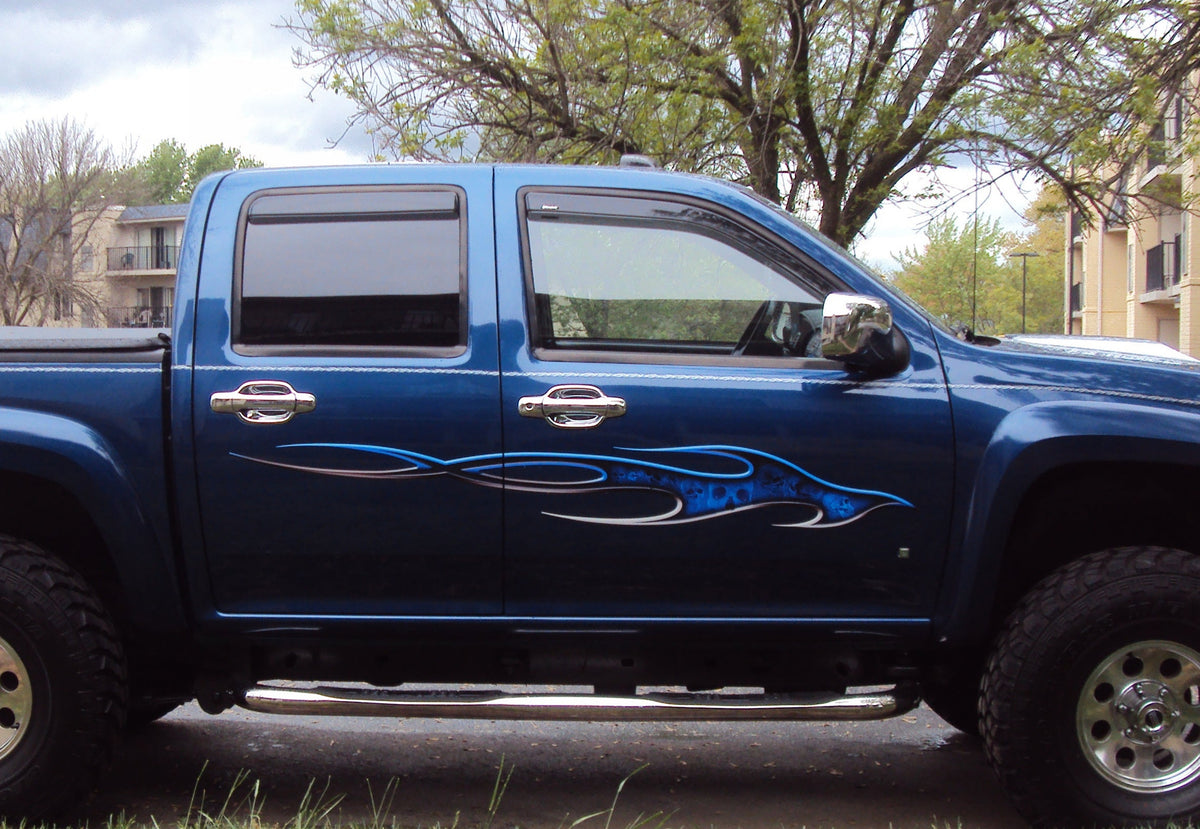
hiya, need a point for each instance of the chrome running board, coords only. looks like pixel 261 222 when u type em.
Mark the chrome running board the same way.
pixel 494 705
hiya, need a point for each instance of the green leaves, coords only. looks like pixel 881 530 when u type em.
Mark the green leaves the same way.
pixel 832 102
pixel 169 174
pixel 163 172
pixel 968 275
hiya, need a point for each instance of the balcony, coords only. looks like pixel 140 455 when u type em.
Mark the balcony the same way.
pixel 1162 266
pixel 148 258
pixel 139 316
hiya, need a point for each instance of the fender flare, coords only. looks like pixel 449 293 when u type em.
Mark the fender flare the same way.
pixel 75 457
pixel 1029 443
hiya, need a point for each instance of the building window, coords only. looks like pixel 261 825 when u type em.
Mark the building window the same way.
pixel 64 308
pixel 1129 260
pixel 87 259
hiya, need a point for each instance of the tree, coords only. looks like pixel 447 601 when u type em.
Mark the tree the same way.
pixel 1045 231
pixel 962 274
pixel 213 158
pixel 169 174
pixel 163 173
pixel 959 265
pixel 830 103
pixel 56 180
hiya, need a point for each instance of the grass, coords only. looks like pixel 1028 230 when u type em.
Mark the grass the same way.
pixel 242 807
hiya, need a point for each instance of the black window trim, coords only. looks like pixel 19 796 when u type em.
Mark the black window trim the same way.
pixel 327 350
pixel 798 265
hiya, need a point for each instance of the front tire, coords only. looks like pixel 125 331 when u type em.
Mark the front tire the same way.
pixel 62 684
pixel 1091 698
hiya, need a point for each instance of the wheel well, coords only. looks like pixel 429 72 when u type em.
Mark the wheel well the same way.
pixel 48 515
pixel 1088 507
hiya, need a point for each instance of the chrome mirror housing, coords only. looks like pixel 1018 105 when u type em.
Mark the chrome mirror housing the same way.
pixel 857 330
pixel 848 322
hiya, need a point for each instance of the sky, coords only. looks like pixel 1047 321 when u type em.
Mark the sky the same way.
pixel 214 71
pixel 199 71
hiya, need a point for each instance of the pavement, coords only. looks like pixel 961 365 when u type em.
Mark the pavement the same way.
pixel 909 771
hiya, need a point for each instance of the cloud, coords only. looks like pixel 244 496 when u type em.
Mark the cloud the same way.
pixel 120 9
pixel 297 124
pixel 198 71
pixel 51 49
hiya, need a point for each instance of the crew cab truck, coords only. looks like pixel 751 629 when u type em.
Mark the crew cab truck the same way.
pixel 610 428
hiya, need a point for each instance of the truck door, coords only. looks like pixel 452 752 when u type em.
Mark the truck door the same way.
pixel 675 446
pixel 337 387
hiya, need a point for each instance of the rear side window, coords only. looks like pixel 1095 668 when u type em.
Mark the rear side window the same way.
pixel 331 269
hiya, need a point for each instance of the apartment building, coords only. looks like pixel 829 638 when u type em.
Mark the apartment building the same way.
pixel 129 261
pixel 1135 271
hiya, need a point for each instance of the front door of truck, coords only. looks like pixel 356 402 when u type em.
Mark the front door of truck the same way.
pixel 675 446
pixel 339 387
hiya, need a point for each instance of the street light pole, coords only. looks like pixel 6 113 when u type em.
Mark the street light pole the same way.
pixel 1025 254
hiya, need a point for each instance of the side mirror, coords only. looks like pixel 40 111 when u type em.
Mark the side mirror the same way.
pixel 857 331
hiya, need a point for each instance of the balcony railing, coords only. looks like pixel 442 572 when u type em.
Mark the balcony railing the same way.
pixel 1162 266
pixel 139 316
pixel 148 258
pixel 1076 297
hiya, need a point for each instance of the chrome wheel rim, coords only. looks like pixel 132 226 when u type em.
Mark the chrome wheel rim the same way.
pixel 16 699
pixel 1138 717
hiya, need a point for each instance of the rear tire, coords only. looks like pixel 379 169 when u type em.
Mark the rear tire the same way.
pixel 62 684
pixel 1091 698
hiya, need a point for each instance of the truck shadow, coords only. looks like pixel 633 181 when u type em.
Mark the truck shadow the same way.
pixel 911 771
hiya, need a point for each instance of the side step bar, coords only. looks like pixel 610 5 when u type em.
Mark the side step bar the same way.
pixel 488 705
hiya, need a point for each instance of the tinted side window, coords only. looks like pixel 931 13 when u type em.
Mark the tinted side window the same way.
pixel 379 267
pixel 632 274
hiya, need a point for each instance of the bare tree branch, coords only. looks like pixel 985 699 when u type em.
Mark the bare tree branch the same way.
pixel 56 181
pixel 843 99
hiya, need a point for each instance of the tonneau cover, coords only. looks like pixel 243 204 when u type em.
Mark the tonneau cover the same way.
pixel 13 338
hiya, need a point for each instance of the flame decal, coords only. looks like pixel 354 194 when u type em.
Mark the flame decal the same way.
pixel 757 480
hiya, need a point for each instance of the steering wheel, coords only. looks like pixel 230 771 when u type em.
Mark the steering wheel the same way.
pixel 801 337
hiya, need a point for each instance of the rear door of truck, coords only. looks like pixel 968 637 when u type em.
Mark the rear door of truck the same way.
pixel 342 373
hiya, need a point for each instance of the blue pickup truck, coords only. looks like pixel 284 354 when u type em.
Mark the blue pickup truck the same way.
pixel 634 432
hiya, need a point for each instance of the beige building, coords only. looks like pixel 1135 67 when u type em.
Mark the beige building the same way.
pixel 129 261
pixel 1136 271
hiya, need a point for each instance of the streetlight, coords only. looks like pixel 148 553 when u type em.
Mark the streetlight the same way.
pixel 1025 254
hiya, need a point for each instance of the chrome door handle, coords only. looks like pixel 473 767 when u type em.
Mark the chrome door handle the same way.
pixel 263 401
pixel 574 406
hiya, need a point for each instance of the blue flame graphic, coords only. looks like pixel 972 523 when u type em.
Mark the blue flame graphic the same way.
pixel 762 480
